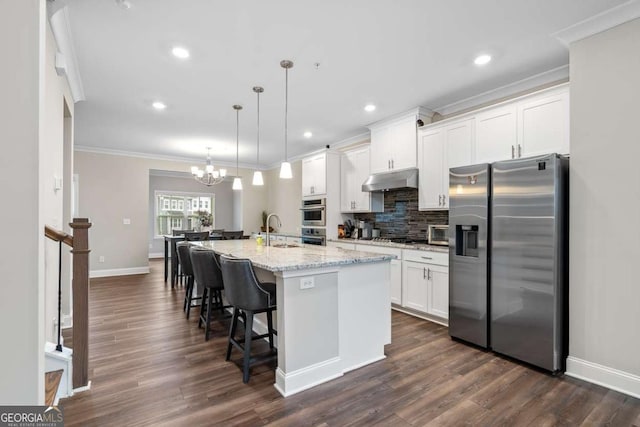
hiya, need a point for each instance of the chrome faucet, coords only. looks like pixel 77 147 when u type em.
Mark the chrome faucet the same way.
pixel 278 224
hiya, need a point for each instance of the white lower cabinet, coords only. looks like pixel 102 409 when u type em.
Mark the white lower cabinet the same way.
pixel 425 282
pixel 414 286
pixel 438 286
pixel 396 281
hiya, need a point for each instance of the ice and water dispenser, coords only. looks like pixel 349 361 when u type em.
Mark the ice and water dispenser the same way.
pixel 467 240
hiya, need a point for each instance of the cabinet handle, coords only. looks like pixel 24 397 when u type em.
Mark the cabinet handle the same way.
pixel 392 165
pixel 519 151
pixel 426 257
pixel 444 200
pixel 424 273
pixel 513 153
pixel 439 199
pixel 428 274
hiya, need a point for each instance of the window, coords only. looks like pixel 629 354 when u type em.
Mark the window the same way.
pixel 181 211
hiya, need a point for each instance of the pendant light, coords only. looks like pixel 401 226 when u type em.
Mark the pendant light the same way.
pixel 285 168
pixel 257 175
pixel 237 181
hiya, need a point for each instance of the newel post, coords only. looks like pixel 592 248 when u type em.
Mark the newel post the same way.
pixel 80 286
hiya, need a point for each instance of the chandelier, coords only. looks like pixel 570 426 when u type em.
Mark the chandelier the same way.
pixel 209 176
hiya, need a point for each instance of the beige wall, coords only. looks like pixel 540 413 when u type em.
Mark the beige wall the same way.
pixel 605 201
pixel 114 187
pixel 285 196
pixel 22 43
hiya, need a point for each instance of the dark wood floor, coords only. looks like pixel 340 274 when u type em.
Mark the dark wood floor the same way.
pixel 151 366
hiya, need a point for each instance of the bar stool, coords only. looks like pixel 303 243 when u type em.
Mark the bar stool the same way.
pixel 248 296
pixel 206 271
pixel 182 248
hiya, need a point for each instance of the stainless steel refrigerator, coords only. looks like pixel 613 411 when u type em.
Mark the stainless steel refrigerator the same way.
pixel 526 261
pixel 469 192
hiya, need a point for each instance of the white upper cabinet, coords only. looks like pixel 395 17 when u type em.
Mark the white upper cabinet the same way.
pixel 314 175
pixel 431 161
pixel 532 125
pixel 438 150
pixel 354 171
pixel 543 125
pixel 393 142
pixel 496 134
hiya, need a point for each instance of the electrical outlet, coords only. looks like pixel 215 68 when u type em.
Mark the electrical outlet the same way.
pixel 126 221
pixel 307 283
pixel 101 259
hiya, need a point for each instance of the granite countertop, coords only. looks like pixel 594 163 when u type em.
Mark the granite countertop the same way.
pixel 417 246
pixel 301 257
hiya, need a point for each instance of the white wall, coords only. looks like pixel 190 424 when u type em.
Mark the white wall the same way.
pixel 114 187
pixel 52 165
pixel 605 208
pixel 224 207
pixel 22 43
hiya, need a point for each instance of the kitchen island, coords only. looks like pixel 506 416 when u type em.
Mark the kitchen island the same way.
pixel 334 309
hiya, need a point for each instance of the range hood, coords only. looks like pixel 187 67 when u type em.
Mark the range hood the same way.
pixel 406 178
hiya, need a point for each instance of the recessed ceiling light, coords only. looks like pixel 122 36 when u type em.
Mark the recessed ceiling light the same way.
pixel 124 4
pixel 159 105
pixel 308 134
pixel 369 108
pixel 180 52
pixel 482 59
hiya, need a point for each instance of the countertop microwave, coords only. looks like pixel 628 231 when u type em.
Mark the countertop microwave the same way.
pixel 438 235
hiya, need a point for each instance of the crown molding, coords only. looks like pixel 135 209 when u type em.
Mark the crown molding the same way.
pixel 554 75
pixel 190 160
pixel 61 29
pixel 419 112
pixel 353 140
pixel 598 23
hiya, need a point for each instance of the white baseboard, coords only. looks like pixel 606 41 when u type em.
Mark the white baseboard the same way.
pixel 605 376
pixel 118 272
pixel 154 255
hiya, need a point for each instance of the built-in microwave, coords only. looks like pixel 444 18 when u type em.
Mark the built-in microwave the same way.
pixel 438 235
pixel 314 212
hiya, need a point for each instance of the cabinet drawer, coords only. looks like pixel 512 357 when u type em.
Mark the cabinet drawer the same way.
pixel 430 257
pixel 379 249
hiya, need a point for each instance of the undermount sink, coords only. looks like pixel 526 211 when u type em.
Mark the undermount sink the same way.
pixel 284 245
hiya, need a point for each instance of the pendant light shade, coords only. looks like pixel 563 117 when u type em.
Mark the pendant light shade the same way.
pixel 237 181
pixel 257 178
pixel 285 167
pixel 257 175
pixel 285 170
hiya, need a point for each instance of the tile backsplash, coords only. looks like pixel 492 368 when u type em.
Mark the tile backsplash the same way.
pixel 401 217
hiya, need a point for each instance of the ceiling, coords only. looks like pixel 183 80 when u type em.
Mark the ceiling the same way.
pixel 394 54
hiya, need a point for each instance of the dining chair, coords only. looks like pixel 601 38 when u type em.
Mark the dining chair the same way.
pixel 233 235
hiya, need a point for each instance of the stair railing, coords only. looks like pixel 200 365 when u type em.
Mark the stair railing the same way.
pixel 79 244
